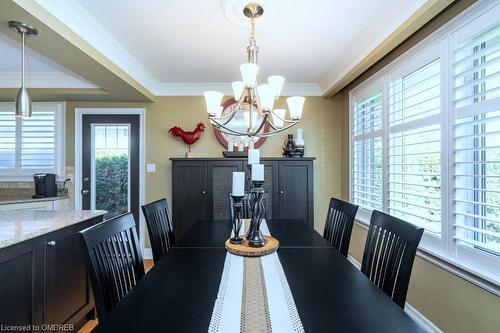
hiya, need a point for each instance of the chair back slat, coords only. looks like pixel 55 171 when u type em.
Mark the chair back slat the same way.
pixel 160 227
pixel 114 260
pixel 389 253
pixel 338 225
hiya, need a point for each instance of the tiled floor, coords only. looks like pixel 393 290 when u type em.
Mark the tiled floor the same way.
pixel 89 326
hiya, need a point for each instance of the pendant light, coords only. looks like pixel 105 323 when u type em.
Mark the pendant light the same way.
pixel 23 100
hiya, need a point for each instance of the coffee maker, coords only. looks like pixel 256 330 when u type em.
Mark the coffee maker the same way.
pixel 45 185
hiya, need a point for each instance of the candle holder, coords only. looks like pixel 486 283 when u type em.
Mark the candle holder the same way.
pixel 254 235
pixel 237 206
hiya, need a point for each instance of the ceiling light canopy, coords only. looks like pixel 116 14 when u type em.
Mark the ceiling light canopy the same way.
pixel 253 97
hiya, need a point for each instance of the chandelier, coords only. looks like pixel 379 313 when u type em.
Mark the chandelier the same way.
pixel 255 100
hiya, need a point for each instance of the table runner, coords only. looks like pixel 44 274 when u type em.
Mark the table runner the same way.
pixel 254 296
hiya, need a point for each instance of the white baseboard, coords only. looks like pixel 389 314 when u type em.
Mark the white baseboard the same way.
pixel 147 253
pixel 410 310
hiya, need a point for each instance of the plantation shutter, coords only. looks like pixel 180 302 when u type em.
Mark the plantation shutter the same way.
pixel 7 138
pixel 476 68
pixel 38 142
pixel 415 146
pixel 367 152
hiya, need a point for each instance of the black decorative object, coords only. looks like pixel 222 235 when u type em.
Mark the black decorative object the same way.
pixel 235 154
pixel 290 149
pixel 254 235
pixel 237 206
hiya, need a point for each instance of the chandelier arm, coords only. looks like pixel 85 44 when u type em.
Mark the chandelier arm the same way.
pixel 263 122
pixel 228 130
pixel 268 134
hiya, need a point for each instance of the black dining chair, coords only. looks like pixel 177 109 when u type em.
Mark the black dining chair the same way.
pixel 338 225
pixel 114 260
pixel 389 253
pixel 160 227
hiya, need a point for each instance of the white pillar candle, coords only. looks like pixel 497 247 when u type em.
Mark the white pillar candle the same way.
pixel 258 172
pixel 238 184
pixel 251 144
pixel 241 146
pixel 253 156
pixel 230 145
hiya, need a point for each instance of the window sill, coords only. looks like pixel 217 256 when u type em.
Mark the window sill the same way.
pixel 464 271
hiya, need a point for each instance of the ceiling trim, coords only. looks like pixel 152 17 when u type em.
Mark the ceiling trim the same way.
pixel 395 35
pixel 198 88
pixel 12 79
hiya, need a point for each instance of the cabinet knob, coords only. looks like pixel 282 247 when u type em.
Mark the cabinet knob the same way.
pixel 203 192
pixel 51 243
pixel 281 191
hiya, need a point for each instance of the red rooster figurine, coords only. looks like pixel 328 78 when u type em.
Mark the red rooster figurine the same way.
pixel 188 137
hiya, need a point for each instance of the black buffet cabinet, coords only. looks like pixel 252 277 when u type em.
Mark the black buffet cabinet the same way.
pixel 201 187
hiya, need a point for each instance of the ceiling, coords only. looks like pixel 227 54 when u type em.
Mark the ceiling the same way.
pixel 41 72
pixel 182 47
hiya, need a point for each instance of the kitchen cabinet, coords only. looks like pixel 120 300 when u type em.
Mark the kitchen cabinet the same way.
pixel 44 280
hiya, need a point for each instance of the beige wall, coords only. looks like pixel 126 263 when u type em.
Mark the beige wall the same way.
pixel 322 124
pixel 450 302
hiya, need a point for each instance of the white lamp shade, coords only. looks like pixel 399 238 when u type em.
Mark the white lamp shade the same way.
pixel 266 96
pixel 276 81
pixel 295 105
pixel 238 87
pixel 278 116
pixel 213 100
pixel 249 73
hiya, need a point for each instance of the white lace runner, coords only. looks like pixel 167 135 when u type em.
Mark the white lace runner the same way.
pixel 280 309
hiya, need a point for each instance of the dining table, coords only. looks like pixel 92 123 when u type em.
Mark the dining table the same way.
pixel 309 286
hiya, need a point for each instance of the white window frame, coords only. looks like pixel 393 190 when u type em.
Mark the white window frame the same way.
pixel 479 269
pixel 59 141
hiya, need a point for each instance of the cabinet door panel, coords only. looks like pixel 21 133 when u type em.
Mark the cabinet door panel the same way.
pixel 220 180
pixel 21 291
pixel 295 190
pixel 189 194
pixel 67 287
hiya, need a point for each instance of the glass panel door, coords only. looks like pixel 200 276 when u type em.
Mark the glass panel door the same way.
pixel 110 168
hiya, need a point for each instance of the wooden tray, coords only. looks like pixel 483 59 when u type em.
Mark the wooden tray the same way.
pixel 271 244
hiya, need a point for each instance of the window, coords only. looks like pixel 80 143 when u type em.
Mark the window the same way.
pixel 425 145
pixel 31 145
pixel 477 141
pixel 415 147
pixel 367 152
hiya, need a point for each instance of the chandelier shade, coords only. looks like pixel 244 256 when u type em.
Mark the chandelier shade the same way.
pixel 213 100
pixel 277 82
pixel 254 99
pixel 278 116
pixel 266 96
pixel 249 74
pixel 238 87
pixel 295 105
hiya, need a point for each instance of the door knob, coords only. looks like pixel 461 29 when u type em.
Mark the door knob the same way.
pixel 51 243
pixel 85 192
pixel 281 191
pixel 203 192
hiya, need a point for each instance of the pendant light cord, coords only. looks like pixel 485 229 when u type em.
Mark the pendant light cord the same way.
pixel 22 65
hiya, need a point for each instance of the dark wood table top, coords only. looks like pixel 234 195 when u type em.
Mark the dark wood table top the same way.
pixel 331 295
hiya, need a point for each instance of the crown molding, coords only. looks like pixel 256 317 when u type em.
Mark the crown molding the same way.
pixel 197 89
pixel 12 79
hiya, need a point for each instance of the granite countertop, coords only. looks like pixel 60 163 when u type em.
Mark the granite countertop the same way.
pixel 8 199
pixel 20 225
